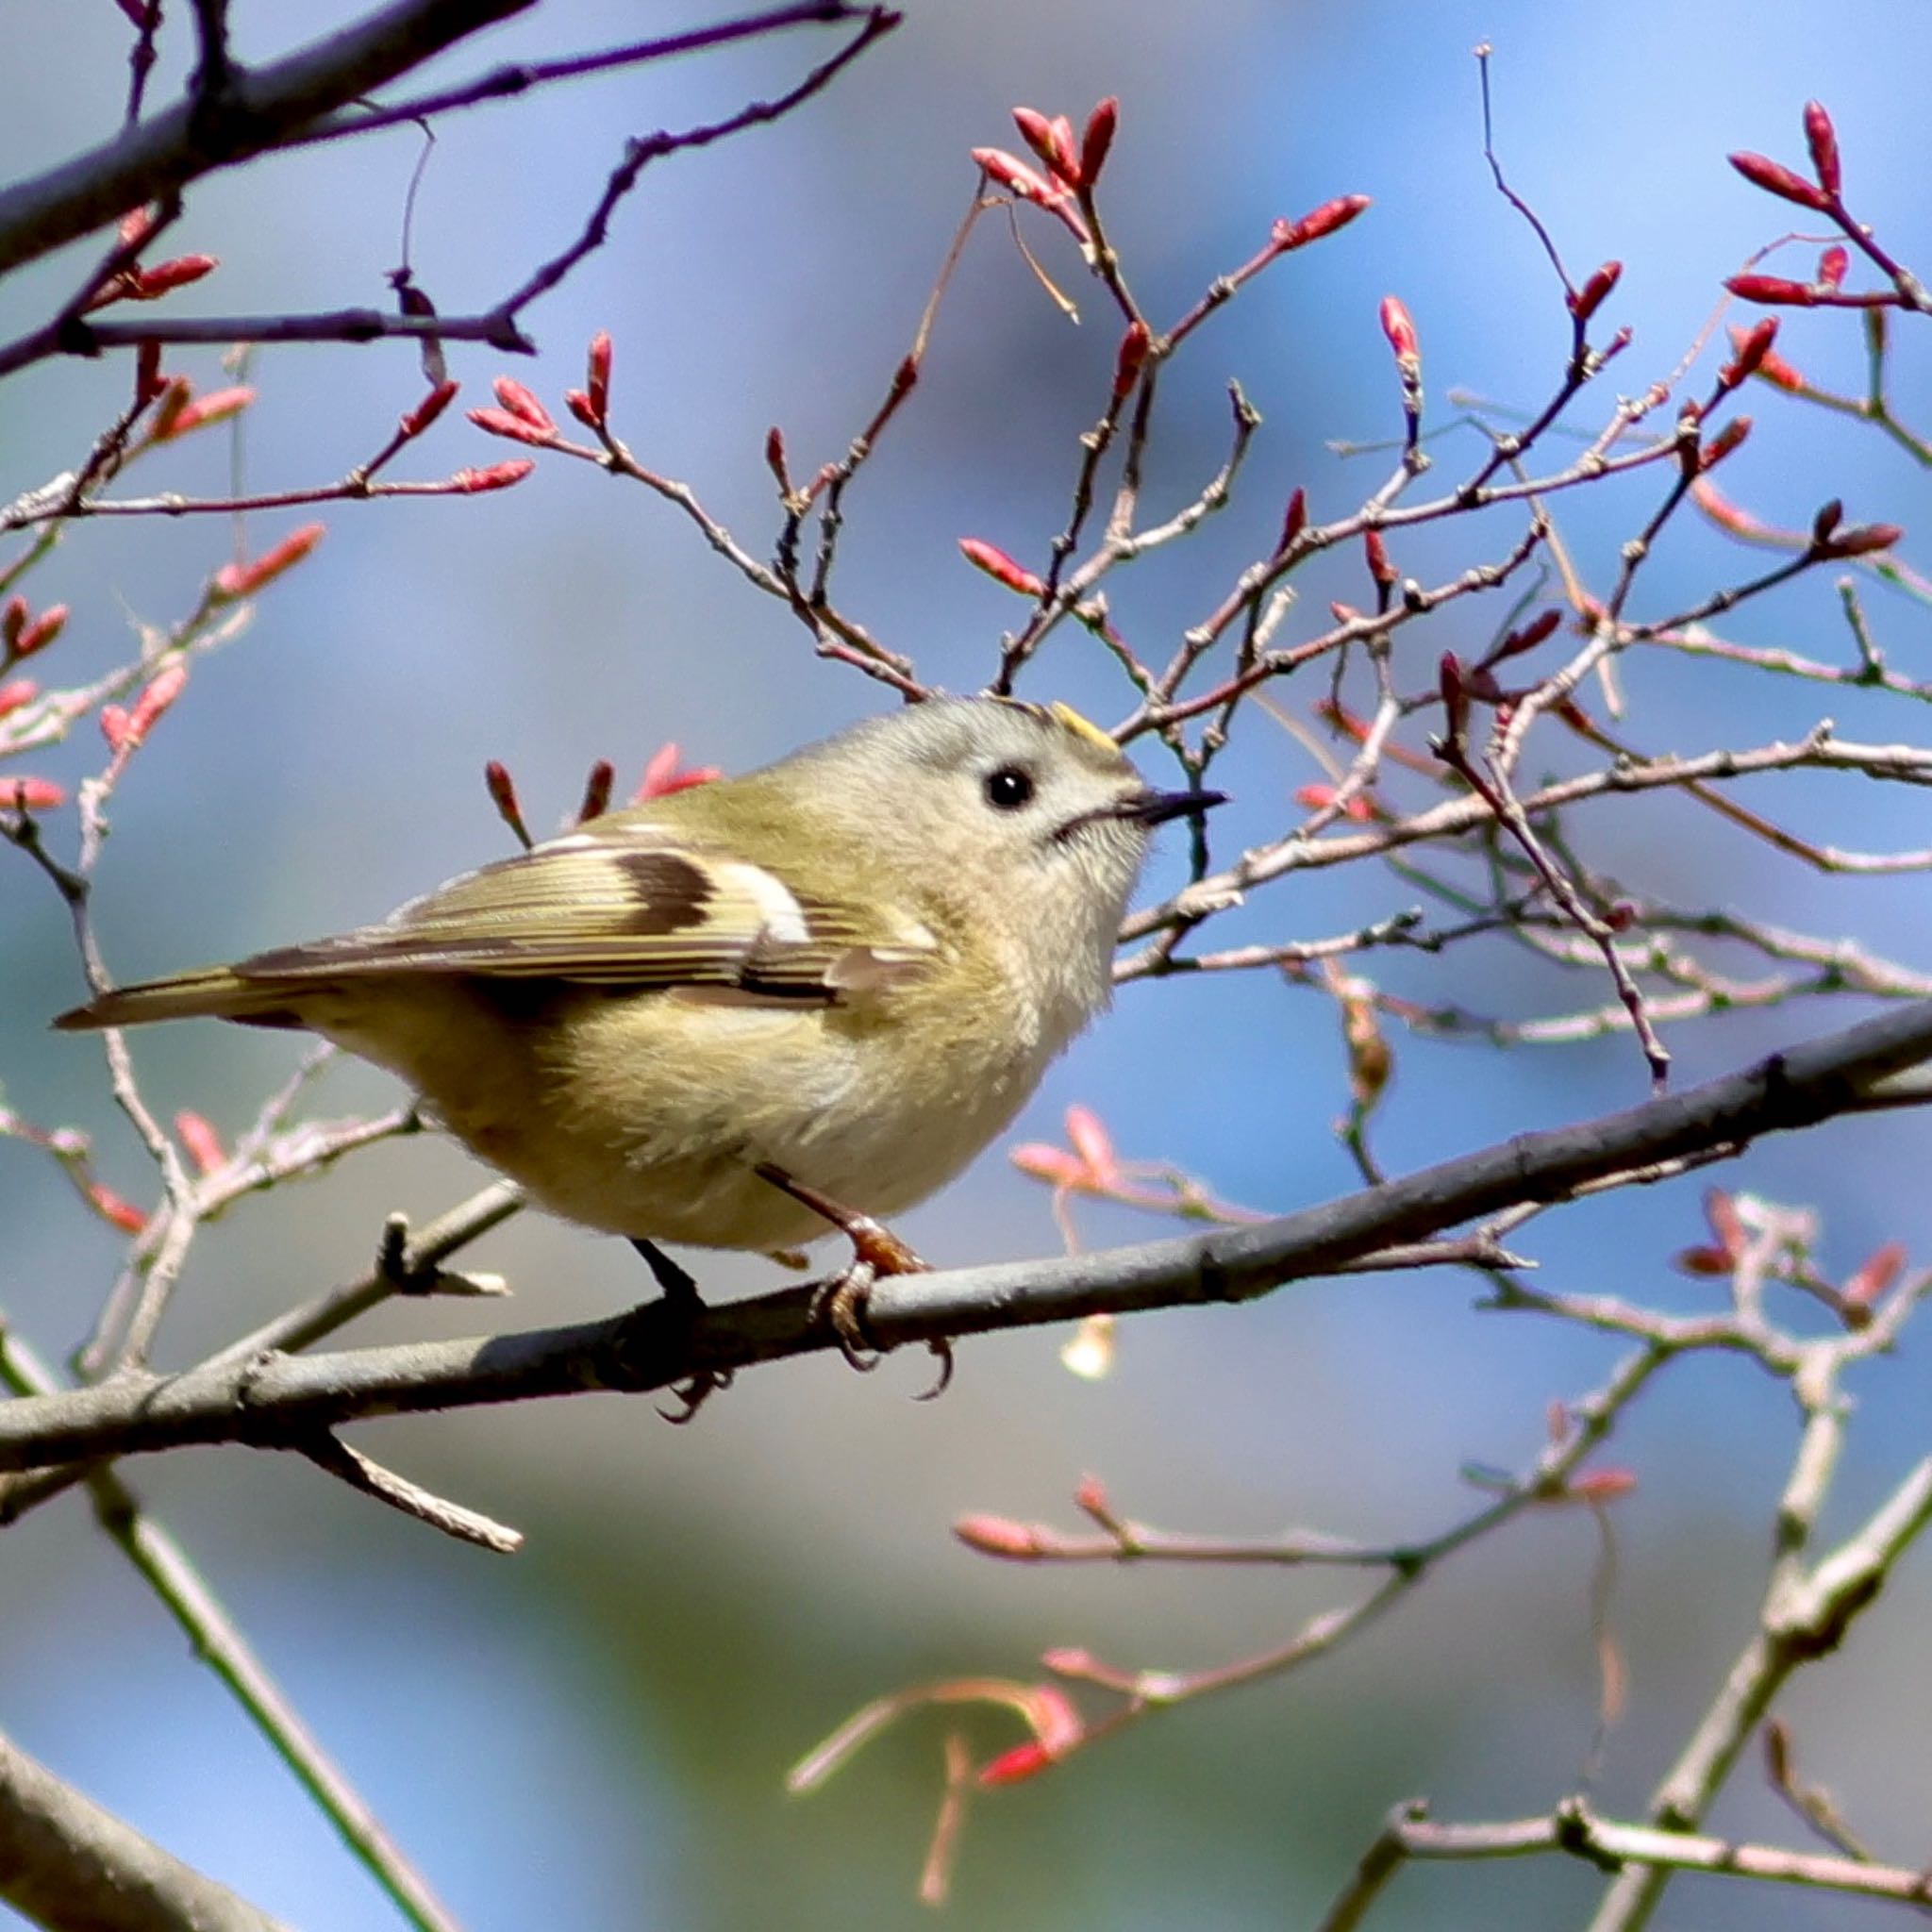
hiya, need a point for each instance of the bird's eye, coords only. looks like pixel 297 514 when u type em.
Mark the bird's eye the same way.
pixel 1010 788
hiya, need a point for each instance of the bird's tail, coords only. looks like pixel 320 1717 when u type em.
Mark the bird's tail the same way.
pixel 215 993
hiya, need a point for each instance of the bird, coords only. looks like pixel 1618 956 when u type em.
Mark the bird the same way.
pixel 759 1009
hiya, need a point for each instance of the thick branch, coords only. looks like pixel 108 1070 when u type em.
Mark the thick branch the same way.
pixel 73 1867
pixel 260 109
pixel 281 1402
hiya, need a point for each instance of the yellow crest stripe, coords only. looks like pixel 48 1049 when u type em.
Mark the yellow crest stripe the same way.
pixel 1083 727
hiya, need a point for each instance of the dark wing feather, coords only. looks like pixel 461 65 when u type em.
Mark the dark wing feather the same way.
pixel 621 909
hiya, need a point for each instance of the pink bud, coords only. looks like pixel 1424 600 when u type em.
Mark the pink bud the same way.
pixel 162 690
pixel 216 406
pixel 1832 265
pixel 597 373
pixel 1098 139
pixel 416 420
pixel 497 476
pixel 42 632
pixel 1875 1273
pixel 1591 296
pixel 662 776
pixel 243 579
pixel 1286 235
pixel 111 1207
pixel 1752 348
pixel 1724 443
pixel 1777 289
pixel 1776 178
pixel 997 1535
pixel 1010 1767
pixel 202 1144
pixel 1052 141
pixel 522 404
pixel 1823 140
pixel 1000 567
pixel 153 283
pixel 22 691
pixel 32 794
pixel 1129 361
pixel 1400 329
pixel 1295 521
pixel 502 423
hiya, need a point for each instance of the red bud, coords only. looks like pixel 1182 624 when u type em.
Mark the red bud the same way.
pixel 1776 178
pixel 662 776
pixel 502 423
pixel 1022 1761
pixel 1832 266
pixel 1591 296
pixel 1861 540
pixel 202 1144
pixel 162 690
pixel 1603 1484
pixel 1295 521
pixel 111 1207
pixel 1777 289
pixel 1528 638
pixel 497 476
pixel 153 283
pixel 1129 361
pixel 1018 178
pixel 1823 140
pixel 243 579
pixel 521 404
pixel 414 422
pixel 1455 697
pixel 1317 222
pixel 1380 569
pixel 147 373
pixel 1052 141
pixel 503 795
pixel 1752 347
pixel 1400 329
pixel 1723 443
pixel 1000 567
pixel 997 1535
pixel 216 406
pixel 37 636
pixel 1876 1274
pixel 1098 139
pixel 597 372
pixel 597 784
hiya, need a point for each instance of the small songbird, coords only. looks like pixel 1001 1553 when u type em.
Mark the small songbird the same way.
pixel 756 1009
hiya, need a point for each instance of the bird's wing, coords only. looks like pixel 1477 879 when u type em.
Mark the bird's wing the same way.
pixel 630 909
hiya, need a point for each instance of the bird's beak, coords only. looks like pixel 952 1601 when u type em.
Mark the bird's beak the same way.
pixel 1155 808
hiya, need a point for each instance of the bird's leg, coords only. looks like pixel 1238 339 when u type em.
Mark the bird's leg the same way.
pixel 682 1299
pixel 840 1300
pixel 677 1286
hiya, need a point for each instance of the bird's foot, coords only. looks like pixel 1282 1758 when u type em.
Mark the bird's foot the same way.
pixel 839 1301
pixel 685 1303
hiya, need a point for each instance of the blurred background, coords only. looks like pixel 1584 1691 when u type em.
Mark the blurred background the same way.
pixel 595 1732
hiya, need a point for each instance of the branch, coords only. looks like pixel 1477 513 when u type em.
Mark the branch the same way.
pixel 260 109
pixel 1634 1848
pixel 280 1402
pixel 74 1867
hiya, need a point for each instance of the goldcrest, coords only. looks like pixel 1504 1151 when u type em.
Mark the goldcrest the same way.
pixel 849 968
